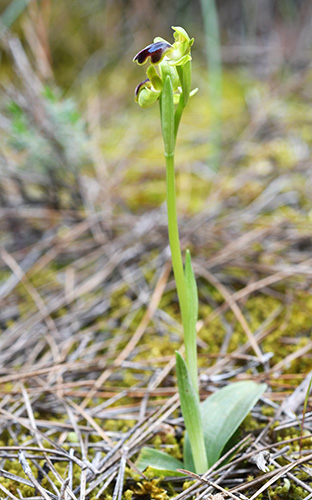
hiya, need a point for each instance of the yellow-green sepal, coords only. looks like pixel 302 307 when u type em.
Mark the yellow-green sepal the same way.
pixel 154 78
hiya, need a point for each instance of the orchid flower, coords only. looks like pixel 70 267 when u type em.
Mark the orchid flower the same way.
pixel 168 59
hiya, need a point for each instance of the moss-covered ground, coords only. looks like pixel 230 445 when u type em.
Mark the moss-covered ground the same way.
pixel 89 315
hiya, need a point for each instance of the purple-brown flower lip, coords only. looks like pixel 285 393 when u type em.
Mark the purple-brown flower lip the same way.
pixel 142 84
pixel 156 51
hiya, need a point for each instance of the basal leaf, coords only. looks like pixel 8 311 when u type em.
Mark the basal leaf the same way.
pixel 191 413
pixel 161 463
pixel 191 319
pixel 222 413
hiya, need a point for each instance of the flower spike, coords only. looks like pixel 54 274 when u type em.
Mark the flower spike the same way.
pixel 166 60
pixel 155 51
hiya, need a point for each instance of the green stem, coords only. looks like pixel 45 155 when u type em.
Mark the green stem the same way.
pixel 184 278
pixel 185 281
pixel 174 240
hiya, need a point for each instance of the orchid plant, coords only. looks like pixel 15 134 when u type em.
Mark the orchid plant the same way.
pixel 210 424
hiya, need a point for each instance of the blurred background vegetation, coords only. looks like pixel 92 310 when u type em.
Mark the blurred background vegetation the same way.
pixel 71 134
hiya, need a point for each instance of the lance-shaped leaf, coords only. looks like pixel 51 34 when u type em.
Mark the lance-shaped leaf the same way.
pixel 185 75
pixel 222 413
pixel 191 319
pixel 167 116
pixel 191 413
pixel 161 463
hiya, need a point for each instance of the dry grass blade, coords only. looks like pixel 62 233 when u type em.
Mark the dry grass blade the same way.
pixel 210 483
pixel 14 477
pixel 26 468
pixel 291 357
pixel 7 492
pixel 260 284
pixel 157 294
pixel 236 310
pixel 12 264
pixel 111 478
pixel 280 473
pixel 291 404
pixel 63 489
pixel 120 478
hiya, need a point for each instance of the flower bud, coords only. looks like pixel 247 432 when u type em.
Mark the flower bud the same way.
pixel 182 47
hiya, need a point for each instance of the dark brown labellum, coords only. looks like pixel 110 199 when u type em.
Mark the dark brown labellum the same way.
pixel 142 84
pixel 156 51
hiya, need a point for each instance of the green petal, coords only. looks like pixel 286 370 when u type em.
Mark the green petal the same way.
pixel 181 61
pixel 180 35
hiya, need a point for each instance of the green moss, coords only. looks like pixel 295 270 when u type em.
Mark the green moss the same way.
pixel 119 298
pixel 116 425
pixel 175 450
pixel 156 349
pixel 72 437
pixel 170 439
pixel 157 442
pixel 286 490
pixel 128 494
pixel 93 438
pixel 268 411
pixel 129 378
pixel 213 335
pixel 251 424
pixel 303 476
pixel 187 484
pixel 132 474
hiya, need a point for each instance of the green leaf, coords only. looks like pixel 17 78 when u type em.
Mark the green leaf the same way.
pixel 167 116
pixel 187 454
pixel 191 413
pixel 191 319
pixel 161 463
pixel 12 12
pixel 185 75
pixel 222 413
